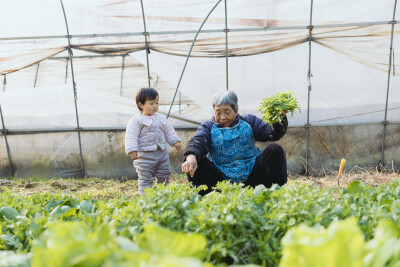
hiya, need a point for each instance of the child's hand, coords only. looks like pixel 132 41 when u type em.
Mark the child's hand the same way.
pixel 178 146
pixel 134 155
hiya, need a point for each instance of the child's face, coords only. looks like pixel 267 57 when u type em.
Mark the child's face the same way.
pixel 149 107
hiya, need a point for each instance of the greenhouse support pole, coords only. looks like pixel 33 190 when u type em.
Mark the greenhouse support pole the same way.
pixel 4 82
pixel 180 101
pixel 122 74
pixel 308 125
pixel 146 35
pixel 385 122
pixel 37 71
pixel 7 147
pixel 74 89
pixel 187 57
pixel 66 71
pixel 226 46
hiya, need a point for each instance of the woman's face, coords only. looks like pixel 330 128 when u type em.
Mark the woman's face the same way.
pixel 224 114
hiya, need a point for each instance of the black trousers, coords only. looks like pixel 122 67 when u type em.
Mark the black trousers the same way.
pixel 270 168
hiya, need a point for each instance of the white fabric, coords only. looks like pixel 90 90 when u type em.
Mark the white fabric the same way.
pixel 349 64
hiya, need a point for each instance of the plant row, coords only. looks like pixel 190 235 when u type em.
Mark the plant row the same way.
pixel 240 225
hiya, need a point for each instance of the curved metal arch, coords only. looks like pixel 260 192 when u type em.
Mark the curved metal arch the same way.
pixel 146 34
pixel 226 46
pixel 74 88
pixel 187 58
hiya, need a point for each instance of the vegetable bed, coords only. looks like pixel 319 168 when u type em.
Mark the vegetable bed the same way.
pixel 175 225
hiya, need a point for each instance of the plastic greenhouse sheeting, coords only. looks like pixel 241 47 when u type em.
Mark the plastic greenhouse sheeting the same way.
pixel 349 64
pixel 272 46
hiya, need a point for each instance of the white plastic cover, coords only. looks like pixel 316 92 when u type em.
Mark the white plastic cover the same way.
pixel 349 64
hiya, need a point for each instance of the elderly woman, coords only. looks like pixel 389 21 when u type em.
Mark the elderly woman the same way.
pixel 223 148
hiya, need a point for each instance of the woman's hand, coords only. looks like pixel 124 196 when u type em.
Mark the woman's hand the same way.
pixel 190 165
pixel 283 113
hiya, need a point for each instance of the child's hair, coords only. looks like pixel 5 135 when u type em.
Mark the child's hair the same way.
pixel 145 94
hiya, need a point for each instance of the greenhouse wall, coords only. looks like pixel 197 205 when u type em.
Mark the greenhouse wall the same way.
pixel 57 154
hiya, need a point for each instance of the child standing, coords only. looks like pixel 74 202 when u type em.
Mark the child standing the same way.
pixel 145 138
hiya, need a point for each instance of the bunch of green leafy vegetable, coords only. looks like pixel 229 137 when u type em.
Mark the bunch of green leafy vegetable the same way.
pixel 272 107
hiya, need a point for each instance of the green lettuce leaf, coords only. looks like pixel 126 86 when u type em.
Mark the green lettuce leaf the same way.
pixel 162 241
pixel 341 244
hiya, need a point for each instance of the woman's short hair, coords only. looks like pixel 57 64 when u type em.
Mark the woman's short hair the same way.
pixel 226 98
pixel 145 94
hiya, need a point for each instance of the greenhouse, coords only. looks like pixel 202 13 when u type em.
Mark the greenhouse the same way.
pixel 70 71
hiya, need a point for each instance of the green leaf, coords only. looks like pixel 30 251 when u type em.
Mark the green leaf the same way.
pixel 93 258
pixel 64 211
pixel 86 206
pixel 127 245
pixel 72 244
pixel 11 259
pixel 384 249
pixel 259 189
pixel 342 244
pixel 9 213
pixel 11 240
pixel 163 241
pixel 246 265
pixel 355 188
pixel 53 203
pixel 275 187
pixel 174 261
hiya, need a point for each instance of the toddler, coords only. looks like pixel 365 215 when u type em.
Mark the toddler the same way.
pixel 145 138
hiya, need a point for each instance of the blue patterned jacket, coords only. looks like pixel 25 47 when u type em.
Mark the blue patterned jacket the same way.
pixel 232 149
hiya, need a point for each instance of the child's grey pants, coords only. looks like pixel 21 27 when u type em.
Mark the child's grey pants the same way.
pixel 152 164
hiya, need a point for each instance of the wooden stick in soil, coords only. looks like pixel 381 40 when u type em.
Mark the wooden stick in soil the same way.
pixel 340 171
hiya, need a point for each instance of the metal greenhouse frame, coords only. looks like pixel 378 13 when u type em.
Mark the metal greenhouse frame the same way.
pixel 78 129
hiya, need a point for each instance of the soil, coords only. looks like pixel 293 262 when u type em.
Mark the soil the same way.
pixel 103 188
pixel 344 180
